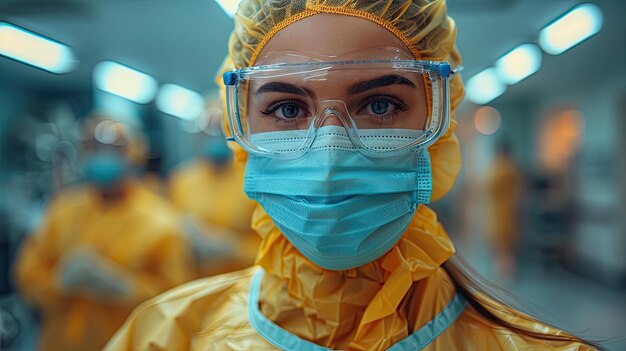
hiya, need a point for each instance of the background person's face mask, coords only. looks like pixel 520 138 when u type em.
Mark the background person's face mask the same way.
pixel 105 169
pixel 340 208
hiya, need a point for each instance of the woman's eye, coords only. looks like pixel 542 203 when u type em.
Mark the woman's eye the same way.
pixel 285 110
pixel 288 111
pixel 380 107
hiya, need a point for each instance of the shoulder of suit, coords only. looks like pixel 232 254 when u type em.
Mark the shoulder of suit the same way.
pixel 200 296
pixel 485 331
pixel 71 197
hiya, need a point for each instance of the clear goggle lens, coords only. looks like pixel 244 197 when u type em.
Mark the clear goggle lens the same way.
pixel 371 99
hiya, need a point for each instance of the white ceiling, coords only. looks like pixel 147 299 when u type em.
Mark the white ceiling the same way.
pixel 184 41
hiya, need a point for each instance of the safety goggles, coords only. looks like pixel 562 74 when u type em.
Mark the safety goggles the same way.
pixel 372 99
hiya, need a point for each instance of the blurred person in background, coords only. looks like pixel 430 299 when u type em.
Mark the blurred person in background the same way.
pixel 337 124
pixel 103 247
pixel 209 192
pixel 504 185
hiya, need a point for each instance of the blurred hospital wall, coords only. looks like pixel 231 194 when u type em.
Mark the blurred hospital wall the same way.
pixel 573 136
pixel 565 123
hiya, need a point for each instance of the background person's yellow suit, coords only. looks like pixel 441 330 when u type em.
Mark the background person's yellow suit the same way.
pixel 214 196
pixel 136 240
pixel 504 193
pixel 504 185
pixel 370 307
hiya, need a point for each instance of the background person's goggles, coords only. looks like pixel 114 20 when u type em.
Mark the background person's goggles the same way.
pixel 377 96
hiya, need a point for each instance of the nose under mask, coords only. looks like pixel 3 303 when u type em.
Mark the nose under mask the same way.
pixel 340 208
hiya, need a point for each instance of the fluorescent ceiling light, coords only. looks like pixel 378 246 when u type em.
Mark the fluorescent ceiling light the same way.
pixel 124 81
pixel 575 26
pixel 484 87
pixel 229 6
pixel 180 102
pixel 34 49
pixel 519 63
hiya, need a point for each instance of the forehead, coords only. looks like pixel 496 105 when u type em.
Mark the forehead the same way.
pixel 329 35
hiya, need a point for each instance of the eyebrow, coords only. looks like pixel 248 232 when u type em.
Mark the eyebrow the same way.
pixel 280 87
pixel 383 81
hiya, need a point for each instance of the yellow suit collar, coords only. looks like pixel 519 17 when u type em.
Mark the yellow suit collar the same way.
pixel 358 306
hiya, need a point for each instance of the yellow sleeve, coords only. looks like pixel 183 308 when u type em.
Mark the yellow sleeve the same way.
pixel 35 274
pixel 35 269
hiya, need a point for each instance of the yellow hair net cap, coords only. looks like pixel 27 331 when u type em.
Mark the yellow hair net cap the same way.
pixel 422 25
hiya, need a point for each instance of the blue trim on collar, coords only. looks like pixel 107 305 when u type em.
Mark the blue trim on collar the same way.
pixel 426 334
pixel 285 340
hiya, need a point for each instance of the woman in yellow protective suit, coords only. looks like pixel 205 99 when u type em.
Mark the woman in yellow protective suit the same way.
pixel 103 247
pixel 342 112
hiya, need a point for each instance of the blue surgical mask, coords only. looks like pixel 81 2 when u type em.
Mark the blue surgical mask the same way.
pixel 340 208
pixel 105 169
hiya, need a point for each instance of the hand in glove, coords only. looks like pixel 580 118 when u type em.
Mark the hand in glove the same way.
pixel 88 272
pixel 210 246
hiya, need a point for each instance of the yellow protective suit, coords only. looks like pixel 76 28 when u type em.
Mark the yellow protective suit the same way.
pixel 214 196
pixel 367 308
pixel 504 186
pixel 136 237
pixel 372 307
